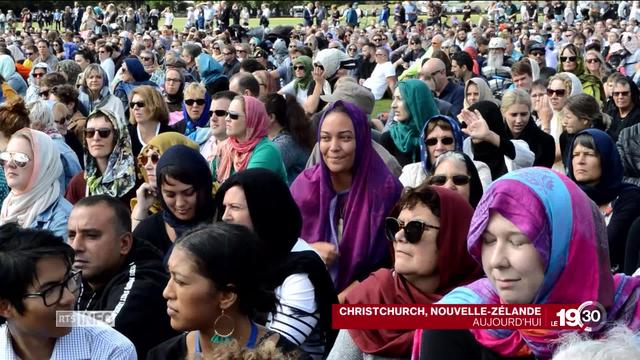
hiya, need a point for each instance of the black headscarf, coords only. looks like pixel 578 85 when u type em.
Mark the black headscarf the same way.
pixel 475 184
pixel 277 221
pixel 487 152
pixel 186 165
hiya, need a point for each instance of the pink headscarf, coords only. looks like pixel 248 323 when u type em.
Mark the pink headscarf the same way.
pixel 237 154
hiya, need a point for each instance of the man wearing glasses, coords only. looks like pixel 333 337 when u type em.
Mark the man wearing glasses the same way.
pixel 121 274
pixel 383 75
pixel 537 52
pixel 42 283
pixel 231 63
pixel 434 73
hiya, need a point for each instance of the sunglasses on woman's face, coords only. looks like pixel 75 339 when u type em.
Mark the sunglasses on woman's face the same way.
pixel 190 102
pixel 412 230
pixel 458 180
pixel 559 92
pixel 19 159
pixel 143 159
pixel 232 115
pixel 592 61
pixel 298 67
pixel 568 58
pixel 102 132
pixel 139 104
pixel 434 141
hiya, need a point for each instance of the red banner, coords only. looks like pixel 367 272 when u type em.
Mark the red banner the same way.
pixel 588 316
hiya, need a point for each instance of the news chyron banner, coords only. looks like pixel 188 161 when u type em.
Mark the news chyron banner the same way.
pixel 588 316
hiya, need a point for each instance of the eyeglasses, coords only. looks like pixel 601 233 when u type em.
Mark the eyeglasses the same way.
pixel 144 58
pixel 233 115
pixel 568 58
pixel 143 159
pixel 29 53
pixel 434 141
pixel 101 51
pixel 198 102
pixel 298 67
pixel 19 159
pixel 52 295
pixel 171 80
pixel 139 104
pixel 415 43
pixel 63 120
pixel 44 94
pixel 38 75
pixel 592 61
pixel 241 51
pixel 458 180
pixel 218 113
pixel 537 53
pixel 620 93
pixel 412 230
pixel 319 66
pixel 352 49
pixel 376 39
pixel 102 132
pixel 559 92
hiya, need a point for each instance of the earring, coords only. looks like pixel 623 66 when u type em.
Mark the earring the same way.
pixel 222 336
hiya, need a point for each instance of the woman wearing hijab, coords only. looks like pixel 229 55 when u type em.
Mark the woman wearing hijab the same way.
pixel 571 60
pixel 183 186
pixel 429 263
pixel 516 110
pixel 549 245
pixel 259 199
pixel 488 140
pixel 299 86
pixel 11 76
pixel 456 171
pixel 131 75
pixel 109 165
pixel 212 74
pixel 412 105
pixel 475 90
pixel 248 145
pixel 95 94
pixel 195 109
pixel 146 201
pixel 596 167
pixel 32 167
pixel 345 198
pixel 173 93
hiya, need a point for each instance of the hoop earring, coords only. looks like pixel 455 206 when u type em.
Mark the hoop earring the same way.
pixel 223 337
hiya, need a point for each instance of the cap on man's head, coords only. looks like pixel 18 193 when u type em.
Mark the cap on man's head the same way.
pixel 534 45
pixel 497 43
pixel 347 89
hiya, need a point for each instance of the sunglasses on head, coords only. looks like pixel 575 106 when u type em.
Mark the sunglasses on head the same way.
pixel 218 113
pixel 143 159
pixel 139 104
pixel 559 92
pixel 568 58
pixel 190 102
pixel 458 180
pixel 412 230
pixel 102 132
pixel 19 159
pixel 434 141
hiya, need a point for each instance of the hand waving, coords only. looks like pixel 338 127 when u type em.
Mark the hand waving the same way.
pixel 477 127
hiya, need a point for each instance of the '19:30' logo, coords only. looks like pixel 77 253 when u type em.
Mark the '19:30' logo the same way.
pixel 589 316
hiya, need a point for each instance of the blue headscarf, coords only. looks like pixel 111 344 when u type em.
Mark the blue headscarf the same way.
pixel 457 137
pixel 136 69
pixel 210 69
pixel 203 121
pixel 612 171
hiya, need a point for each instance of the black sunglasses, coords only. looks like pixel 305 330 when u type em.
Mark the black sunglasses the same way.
pixel 298 67
pixel 140 104
pixel 568 58
pixel 44 93
pixel 559 92
pixel 218 113
pixel 458 180
pixel 102 132
pixel 434 141
pixel 412 230
pixel 232 115
pixel 190 102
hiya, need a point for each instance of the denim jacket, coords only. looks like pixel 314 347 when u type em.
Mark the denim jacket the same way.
pixel 55 217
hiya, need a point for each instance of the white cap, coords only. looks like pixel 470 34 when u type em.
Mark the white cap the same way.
pixel 497 43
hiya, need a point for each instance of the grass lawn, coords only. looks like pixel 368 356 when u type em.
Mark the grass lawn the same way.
pixel 380 106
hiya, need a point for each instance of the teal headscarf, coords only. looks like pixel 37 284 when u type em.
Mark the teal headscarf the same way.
pixel 418 100
pixel 304 82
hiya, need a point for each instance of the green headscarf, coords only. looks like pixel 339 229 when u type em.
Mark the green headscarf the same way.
pixel 306 80
pixel 418 100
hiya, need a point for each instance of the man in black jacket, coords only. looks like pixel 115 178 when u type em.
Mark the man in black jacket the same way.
pixel 121 274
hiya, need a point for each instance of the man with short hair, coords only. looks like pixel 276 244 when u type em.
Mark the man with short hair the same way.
pixel 45 56
pixel 230 60
pixel 244 84
pixel 537 52
pixel 462 66
pixel 217 129
pixel 434 73
pixel 522 76
pixel 383 75
pixel 189 54
pixel 43 283
pixel 122 274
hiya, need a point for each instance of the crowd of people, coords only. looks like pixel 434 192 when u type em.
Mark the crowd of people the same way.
pixel 217 188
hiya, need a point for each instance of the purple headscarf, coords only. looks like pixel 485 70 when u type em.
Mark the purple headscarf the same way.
pixel 373 193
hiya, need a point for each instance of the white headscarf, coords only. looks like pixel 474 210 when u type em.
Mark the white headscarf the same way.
pixel 43 188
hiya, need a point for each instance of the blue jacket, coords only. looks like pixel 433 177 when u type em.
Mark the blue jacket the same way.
pixel 70 162
pixel 55 217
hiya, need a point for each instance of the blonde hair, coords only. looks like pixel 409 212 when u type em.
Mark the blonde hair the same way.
pixel 195 89
pixel 515 96
pixel 568 85
pixel 154 101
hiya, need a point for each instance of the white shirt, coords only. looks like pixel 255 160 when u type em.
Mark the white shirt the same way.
pixel 82 343
pixel 109 67
pixel 168 18
pixel 301 95
pixel 377 83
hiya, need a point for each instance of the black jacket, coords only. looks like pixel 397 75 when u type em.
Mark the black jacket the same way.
pixel 135 293
pixel 540 143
